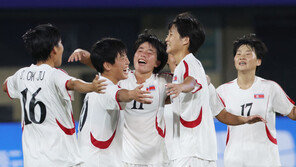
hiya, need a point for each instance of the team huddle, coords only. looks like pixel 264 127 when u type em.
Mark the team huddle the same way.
pixel 122 121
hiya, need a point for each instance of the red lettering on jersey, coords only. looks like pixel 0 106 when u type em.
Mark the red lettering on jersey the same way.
pixel 192 124
pixel 270 137
pixel 102 144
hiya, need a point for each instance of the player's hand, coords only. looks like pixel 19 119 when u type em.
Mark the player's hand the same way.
pixel 173 89
pixel 99 85
pixel 80 55
pixel 141 96
pixel 254 118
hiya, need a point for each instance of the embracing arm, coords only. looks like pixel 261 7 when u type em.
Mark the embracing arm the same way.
pixel 292 114
pixel 85 87
pixel 185 87
pixel 83 56
pixel 137 94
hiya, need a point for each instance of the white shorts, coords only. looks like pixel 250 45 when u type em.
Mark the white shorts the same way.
pixel 192 162
pixel 141 165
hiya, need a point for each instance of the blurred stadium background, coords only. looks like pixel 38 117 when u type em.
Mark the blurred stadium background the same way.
pixel 84 22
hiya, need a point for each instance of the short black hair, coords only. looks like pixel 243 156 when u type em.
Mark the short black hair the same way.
pixel 252 41
pixel 40 41
pixel 188 26
pixel 160 47
pixel 106 50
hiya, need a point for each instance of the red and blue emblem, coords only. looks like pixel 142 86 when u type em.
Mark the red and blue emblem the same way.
pixel 258 96
pixel 150 88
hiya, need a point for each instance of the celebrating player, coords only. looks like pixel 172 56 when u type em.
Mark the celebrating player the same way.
pixel 144 129
pixel 248 94
pixel 194 140
pixel 100 126
pixel 47 120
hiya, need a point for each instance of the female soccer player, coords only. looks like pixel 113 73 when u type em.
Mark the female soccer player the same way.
pixel 256 144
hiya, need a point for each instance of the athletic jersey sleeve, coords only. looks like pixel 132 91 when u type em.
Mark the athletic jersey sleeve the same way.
pixel 193 71
pixel 61 78
pixel 12 85
pixel 111 101
pixel 281 103
pixel 215 102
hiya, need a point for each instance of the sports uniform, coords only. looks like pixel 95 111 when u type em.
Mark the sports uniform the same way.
pixel 254 144
pixel 48 137
pixel 144 128
pixel 194 139
pixel 100 124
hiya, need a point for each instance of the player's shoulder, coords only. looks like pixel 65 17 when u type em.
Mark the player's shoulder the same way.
pixel 60 70
pixel 227 85
pixel 266 82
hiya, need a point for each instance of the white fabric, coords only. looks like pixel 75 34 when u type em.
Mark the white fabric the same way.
pixel 101 117
pixel 44 98
pixel 142 143
pixel 215 102
pixel 192 162
pixel 199 141
pixel 249 144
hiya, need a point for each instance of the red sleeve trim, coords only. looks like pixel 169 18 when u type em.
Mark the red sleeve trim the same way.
pixel 270 137
pixel 62 70
pixel 221 100
pixel 200 87
pixel 102 144
pixel 7 90
pixel 186 69
pixel 117 100
pixel 67 89
pixel 283 91
pixel 159 130
pixel 67 131
pixel 192 124
pixel 227 138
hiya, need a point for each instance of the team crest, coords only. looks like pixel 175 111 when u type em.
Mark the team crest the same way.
pixel 258 96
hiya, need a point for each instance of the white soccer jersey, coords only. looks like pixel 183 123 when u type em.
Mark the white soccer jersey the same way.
pixel 193 127
pixel 254 144
pixel 48 137
pixel 100 128
pixel 144 128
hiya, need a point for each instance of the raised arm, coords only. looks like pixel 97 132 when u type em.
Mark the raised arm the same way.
pixel 85 87
pixel 81 55
pixel 230 119
pixel 137 94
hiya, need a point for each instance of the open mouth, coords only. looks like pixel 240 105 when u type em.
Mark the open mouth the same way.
pixel 140 61
pixel 242 63
pixel 126 70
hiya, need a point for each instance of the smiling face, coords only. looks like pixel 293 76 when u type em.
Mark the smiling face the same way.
pixel 145 58
pixel 245 59
pixel 173 40
pixel 121 66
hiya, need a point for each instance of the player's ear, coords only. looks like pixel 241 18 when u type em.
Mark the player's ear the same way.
pixel 259 61
pixel 107 66
pixel 157 63
pixel 185 40
pixel 53 51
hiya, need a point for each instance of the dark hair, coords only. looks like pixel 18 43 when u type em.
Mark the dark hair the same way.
pixel 106 50
pixel 188 26
pixel 252 41
pixel 160 47
pixel 40 41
